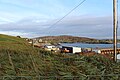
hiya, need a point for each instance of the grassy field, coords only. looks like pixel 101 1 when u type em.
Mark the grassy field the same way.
pixel 20 61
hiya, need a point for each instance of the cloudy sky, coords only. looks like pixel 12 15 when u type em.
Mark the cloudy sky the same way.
pixel 33 18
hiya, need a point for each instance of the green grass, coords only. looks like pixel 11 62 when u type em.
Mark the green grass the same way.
pixel 18 58
pixel 9 38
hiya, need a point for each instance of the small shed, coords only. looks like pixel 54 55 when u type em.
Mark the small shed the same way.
pixel 70 49
pixel 86 49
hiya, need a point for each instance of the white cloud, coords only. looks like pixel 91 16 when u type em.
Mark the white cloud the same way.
pixel 12 33
pixel 22 34
pixel 96 27
pixel 36 16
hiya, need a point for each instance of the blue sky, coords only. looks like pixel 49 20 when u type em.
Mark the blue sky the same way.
pixel 33 18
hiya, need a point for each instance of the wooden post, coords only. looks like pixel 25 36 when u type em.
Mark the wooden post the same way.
pixel 33 43
pixel 115 29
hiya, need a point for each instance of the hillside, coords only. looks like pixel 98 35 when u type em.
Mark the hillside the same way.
pixel 71 39
pixel 20 61
pixel 10 42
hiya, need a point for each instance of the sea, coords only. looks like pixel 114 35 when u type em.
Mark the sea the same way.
pixel 85 45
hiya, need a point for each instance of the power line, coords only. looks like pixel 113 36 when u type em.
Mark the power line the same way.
pixel 67 13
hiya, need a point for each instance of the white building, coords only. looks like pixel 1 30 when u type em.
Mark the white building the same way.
pixel 118 58
pixel 50 48
pixel 97 50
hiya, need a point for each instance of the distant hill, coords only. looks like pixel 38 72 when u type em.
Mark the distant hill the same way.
pixel 71 39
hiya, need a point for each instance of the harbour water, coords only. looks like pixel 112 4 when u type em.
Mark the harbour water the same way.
pixel 85 45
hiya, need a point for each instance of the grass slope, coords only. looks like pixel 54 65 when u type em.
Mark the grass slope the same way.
pixel 17 58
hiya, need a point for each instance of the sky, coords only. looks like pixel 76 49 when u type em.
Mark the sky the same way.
pixel 35 18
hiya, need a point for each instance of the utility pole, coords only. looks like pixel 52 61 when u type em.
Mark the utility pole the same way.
pixel 115 28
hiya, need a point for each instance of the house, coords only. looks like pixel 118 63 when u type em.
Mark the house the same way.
pixel 70 49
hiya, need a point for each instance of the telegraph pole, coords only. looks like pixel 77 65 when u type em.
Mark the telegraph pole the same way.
pixel 115 29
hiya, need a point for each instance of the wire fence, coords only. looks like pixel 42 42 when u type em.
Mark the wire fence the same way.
pixel 87 77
